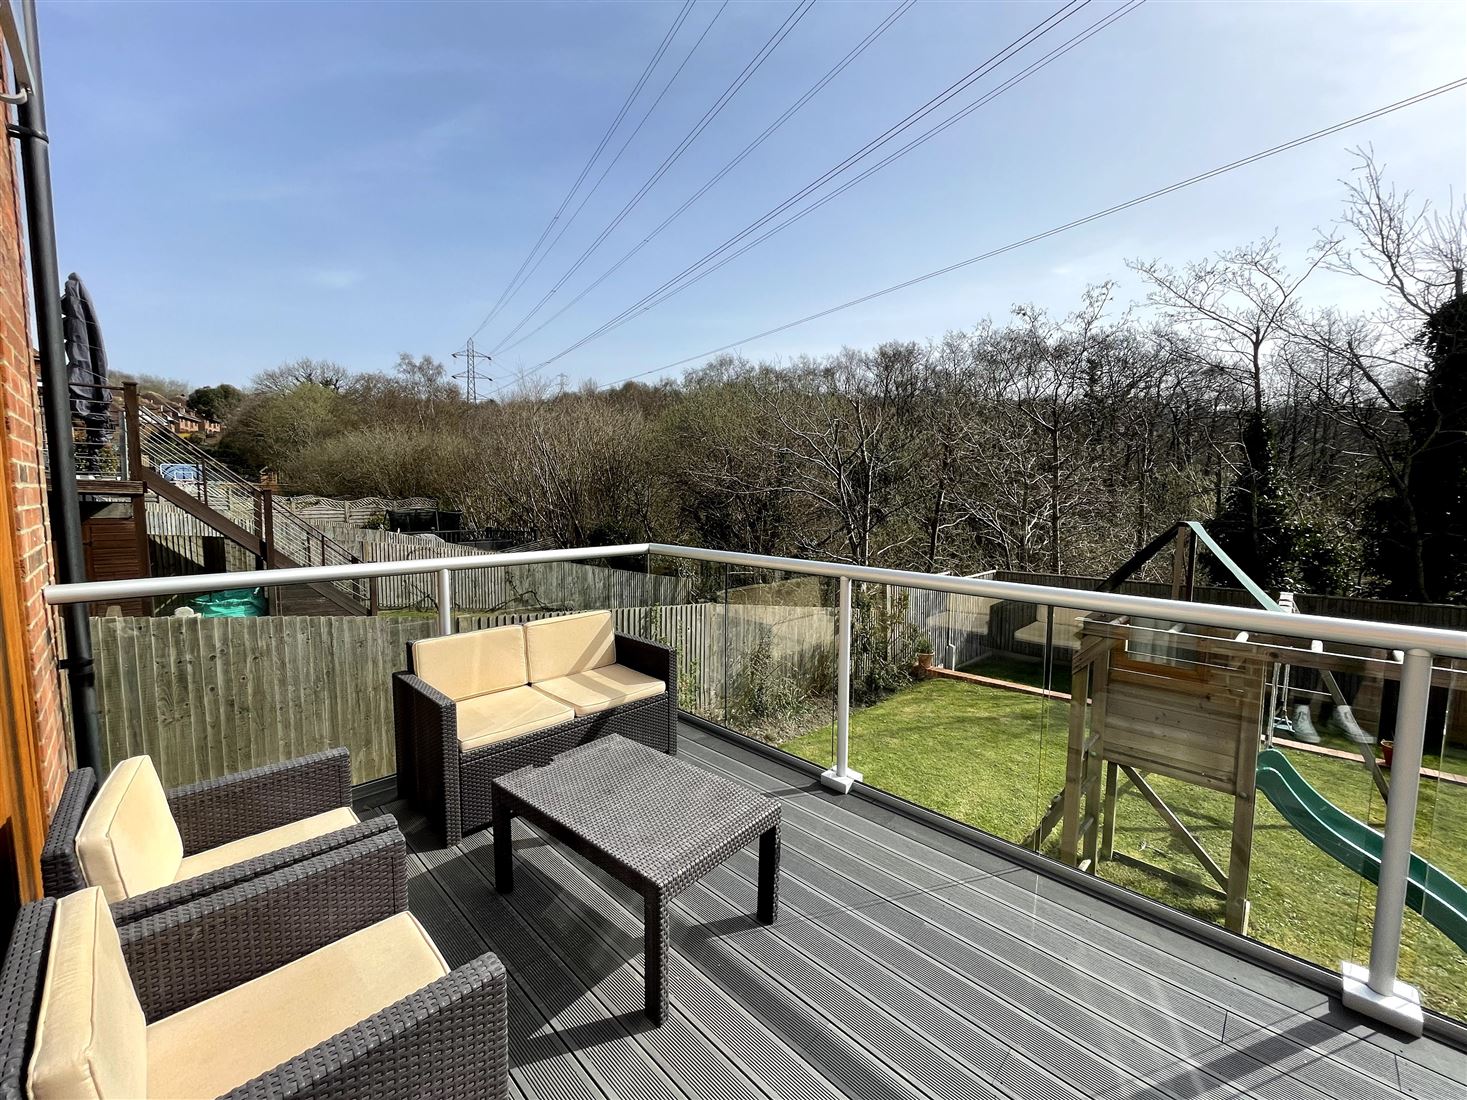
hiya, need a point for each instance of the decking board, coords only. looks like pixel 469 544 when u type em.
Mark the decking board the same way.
pixel 907 962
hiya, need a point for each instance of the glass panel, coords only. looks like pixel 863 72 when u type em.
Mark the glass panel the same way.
pixel 1182 712
pixel 1148 778
pixel 966 744
pixel 1434 937
pixel 687 613
pixel 781 666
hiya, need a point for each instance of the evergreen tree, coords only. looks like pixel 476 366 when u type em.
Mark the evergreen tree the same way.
pixel 1417 540
pixel 1262 526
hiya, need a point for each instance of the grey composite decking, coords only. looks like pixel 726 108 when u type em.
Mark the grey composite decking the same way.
pixel 906 963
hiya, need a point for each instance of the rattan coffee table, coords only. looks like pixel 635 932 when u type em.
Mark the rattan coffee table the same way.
pixel 649 819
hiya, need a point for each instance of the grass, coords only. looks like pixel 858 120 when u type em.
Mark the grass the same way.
pixel 995 758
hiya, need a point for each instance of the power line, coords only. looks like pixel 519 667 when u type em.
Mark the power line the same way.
pixel 789 112
pixel 1022 42
pixel 528 275
pixel 667 38
pixel 1019 77
pixel 791 21
pixel 1160 192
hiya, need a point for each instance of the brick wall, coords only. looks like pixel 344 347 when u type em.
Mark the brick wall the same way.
pixel 20 407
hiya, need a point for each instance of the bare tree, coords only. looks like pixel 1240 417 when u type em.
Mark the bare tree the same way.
pixel 1231 306
pixel 315 372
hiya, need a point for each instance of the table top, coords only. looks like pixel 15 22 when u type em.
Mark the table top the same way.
pixel 650 811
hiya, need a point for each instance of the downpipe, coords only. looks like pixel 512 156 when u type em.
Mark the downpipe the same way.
pixel 63 501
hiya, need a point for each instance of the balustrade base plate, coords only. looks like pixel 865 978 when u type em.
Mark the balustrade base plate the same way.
pixel 1402 1010
pixel 840 783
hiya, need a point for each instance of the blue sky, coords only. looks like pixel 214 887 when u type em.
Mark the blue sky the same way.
pixel 243 184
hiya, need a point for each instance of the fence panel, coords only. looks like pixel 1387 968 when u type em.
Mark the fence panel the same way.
pixel 205 697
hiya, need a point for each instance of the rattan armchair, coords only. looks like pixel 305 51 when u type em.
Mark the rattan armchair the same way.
pixel 214 813
pixel 193 972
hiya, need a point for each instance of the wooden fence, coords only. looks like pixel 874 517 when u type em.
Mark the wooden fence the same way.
pixel 205 697
pixel 354 512
pixel 958 624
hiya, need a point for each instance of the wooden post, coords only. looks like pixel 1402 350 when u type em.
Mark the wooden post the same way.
pixel 1183 557
pixel 260 529
pixel 1082 678
pixel 1190 591
pixel 373 601
pixel 267 541
pixel 1093 749
pixel 1244 806
pixel 131 426
pixel 1108 818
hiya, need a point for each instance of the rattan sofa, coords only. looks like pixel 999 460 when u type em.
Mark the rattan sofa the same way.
pixel 195 840
pixel 350 1000
pixel 474 706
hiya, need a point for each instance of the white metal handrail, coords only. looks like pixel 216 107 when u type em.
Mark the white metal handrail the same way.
pixel 1363 632
pixel 1375 991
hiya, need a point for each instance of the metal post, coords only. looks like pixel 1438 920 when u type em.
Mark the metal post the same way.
pixel 841 778
pixel 726 656
pixel 65 504
pixel 1376 992
pixel 445 601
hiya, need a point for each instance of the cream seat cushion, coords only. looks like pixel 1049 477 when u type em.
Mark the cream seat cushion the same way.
pixel 216 1045
pixel 602 688
pixel 91 1038
pixel 500 715
pixel 271 840
pixel 464 665
pixel 128 842
pixel 566 644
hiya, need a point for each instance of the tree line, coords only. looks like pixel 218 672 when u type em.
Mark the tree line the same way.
pixel 1327 449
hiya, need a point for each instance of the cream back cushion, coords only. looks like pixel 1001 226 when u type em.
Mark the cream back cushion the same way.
pixel 569 643
pixel 91 1037
pixel 128 842
pixel 480 661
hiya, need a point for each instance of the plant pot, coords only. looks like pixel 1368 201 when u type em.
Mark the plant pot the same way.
pixel 1386 749
pixel 924 660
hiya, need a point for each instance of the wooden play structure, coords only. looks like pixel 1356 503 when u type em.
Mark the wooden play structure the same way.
pixel 1187 706
pixel 1201 706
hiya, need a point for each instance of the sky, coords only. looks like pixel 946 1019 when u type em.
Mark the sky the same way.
pixel 244 184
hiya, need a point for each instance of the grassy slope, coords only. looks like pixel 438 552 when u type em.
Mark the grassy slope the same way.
pixel 995 758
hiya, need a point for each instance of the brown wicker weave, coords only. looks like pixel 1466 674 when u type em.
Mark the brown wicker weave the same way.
pixel 216 811
pixel 449 1039
pixel 655 823
pixel 455 788
pixel 188 954
pixel 212 813
pixel 20 994
pixel 61 874
pixel 191 889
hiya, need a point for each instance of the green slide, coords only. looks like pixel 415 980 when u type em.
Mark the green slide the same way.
pixel 1429 891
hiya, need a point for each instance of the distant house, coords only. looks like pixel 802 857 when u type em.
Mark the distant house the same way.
pixel 185 422
pixel 181 420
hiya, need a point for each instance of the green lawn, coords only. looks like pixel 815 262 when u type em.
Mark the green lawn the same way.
pixel 995 758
